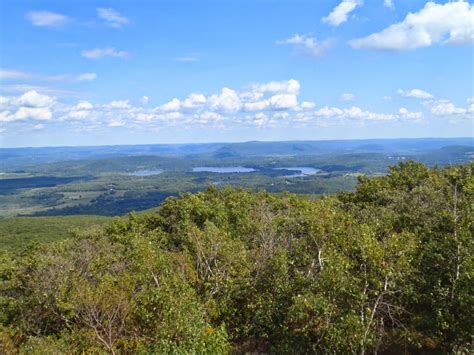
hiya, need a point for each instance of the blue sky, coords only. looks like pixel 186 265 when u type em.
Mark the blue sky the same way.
pixel 130 72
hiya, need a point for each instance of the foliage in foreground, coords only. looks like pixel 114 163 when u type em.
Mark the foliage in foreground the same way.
pixel 388 267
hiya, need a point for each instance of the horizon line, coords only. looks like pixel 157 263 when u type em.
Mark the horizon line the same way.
pixel 239 142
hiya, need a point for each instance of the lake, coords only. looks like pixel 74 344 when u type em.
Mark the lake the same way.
pixel 149 172
pixel 222 170
pixel 300 171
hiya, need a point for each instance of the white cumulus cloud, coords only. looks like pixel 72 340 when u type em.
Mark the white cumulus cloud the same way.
pixel 263 105
pixel 445 108
pixel 173 105
pixel 283 101
pixel 415 93
pixel 449 23
pixel 35 113
pixel 259 119
pixel 340 13
pixel 118 104
pixel 80 114
pixel 227 100
pixel 291 86
pixel 306 105
pixel 194 100
pixel 208 116
pixel 35 99
pixel 84 105
pixel 26 113
pixel 358 114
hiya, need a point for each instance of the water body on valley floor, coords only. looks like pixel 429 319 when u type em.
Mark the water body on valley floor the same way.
pixel 147 172
pixel 300 171
pixel 222 170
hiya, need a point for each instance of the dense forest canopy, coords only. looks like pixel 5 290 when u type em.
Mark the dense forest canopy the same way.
pixel 387 268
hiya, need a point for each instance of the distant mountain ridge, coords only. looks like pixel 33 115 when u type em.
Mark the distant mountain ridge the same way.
pixel 15 157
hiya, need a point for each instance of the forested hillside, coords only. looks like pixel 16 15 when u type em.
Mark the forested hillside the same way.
pixel 388 268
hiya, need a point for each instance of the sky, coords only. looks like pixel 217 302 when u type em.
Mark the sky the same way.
pixel 140 72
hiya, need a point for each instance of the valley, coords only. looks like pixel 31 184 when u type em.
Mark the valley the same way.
pixel 66 181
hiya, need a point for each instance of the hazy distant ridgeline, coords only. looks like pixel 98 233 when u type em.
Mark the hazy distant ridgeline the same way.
pixel 12 158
